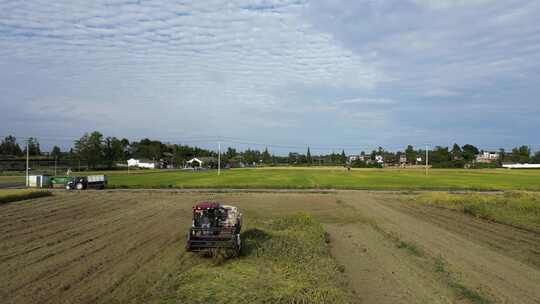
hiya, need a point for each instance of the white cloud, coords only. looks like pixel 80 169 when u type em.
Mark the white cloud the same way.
pixel 162 67
pixel 440 93
pixel 367 101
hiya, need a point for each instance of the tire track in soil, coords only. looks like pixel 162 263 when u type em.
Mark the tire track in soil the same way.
pixel 137 227
pixel 511 241
pixel 20 209
pixel 477 265
pixel 65 219
pixel 56 269
pixel 145 249
pixel 90 225
pixel 132 268
pixel 379 272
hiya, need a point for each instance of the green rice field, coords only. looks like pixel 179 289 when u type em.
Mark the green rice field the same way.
pixel 333 178
pixel 324 178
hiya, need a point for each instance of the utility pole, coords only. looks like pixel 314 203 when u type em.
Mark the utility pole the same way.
pixel 427 155
pixel 27 162
pixel 219 159
pixel 55 161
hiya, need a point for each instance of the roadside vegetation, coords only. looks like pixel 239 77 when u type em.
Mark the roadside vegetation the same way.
pixel 7 196
pixel 285 260
pixel 517 208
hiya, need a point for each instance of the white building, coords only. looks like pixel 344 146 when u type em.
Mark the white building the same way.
pixel 403 159
pixel 195 160
pixel 202 162
pixel 521 166
pixel 353 158
pixel 487 157
pixel 137 163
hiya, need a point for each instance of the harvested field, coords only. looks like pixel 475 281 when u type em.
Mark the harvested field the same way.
pixel 123 246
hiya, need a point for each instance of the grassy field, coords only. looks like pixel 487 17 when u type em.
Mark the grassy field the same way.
pixel 515 208
pixel 336 178
pixel 7 196
pixel 325 178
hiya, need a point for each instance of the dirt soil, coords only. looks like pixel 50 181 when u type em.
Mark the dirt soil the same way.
pixel 116 247
pixel 499 262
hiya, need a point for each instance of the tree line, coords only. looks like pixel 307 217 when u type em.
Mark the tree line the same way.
pixel 98 151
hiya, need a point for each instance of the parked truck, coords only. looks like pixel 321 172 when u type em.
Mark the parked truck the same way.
pixel 59 181
pixel 86 182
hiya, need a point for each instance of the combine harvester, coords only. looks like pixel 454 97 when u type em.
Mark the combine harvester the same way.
pixel 215 227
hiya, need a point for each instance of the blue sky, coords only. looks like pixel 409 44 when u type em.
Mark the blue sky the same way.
pixel 330 74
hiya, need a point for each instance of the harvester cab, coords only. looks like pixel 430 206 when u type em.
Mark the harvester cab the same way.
pixel 215 226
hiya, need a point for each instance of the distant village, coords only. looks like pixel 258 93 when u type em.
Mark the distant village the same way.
pixel 94 151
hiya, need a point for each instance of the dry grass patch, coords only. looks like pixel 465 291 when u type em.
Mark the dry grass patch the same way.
pixel 517 208
pixel 285 260
pixel 7 196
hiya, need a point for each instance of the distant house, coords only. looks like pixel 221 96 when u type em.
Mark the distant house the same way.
pixel 353 158
pixel 379 159
pixel 403 159
pixel 487 157
pixel 202 162
pixel 235 162
pixel 146 164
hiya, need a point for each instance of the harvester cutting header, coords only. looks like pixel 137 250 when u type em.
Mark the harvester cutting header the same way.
pixel 215 226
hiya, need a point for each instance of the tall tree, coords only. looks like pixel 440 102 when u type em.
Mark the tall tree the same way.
pixel 536 158
pixel 56 152
pixel 440 157
pixel 10 146
pixel 521 154
pixel 410 153
pixel 33 147
pixel 456 152
pixel 293 158
pixel 308 157
pixel 251 156
pixel 90 148
pixel 149 149
pixel 125 148
pixel 231 153
pixel 266 157
pixel 343 157
pixel 502 155
pixel 113 151
pixel 469 152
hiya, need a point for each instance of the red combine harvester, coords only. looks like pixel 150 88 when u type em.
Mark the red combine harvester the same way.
pixel 214 226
